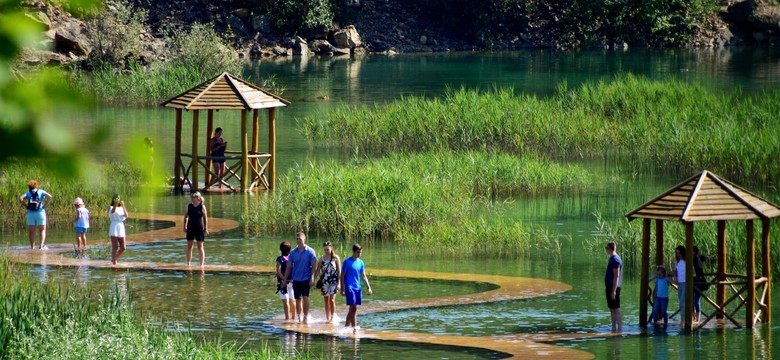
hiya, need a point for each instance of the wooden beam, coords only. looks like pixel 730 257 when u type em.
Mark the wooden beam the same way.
pixel 255 129
pixel 750 302
pixel 209 131
pixel 177 152
pixel 194 171
pixel 721 276
pixel 688 276
pixel 244 154
pixel 643 284
pixel 766 269
pixel 272 148
pixel 659 243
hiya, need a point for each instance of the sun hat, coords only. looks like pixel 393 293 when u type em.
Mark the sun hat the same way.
pixel 78 201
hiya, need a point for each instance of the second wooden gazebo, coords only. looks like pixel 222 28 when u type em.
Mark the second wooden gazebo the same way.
pixel 706 197
pixel 227 92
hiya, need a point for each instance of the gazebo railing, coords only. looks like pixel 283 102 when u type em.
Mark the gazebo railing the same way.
pixel 737 288
pixel 257 165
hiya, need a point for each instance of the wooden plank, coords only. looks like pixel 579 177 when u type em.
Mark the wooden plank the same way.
pixel 750 256
pixel 645 271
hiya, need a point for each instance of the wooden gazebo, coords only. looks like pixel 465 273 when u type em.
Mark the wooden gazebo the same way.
pixel 249 166
pixel 706 197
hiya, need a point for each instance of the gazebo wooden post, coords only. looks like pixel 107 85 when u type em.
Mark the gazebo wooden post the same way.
pixel 766 270
pixel 244 154
pixel 659 243
pixel 721 276
pixel 688 275
pixel 255 139
pixel 177 153
pixel 750 302
pixel 272 148
pixel 194 168
pixel 643 287
pixel 209 131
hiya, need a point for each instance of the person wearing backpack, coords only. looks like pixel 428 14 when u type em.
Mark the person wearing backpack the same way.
pixel 35 201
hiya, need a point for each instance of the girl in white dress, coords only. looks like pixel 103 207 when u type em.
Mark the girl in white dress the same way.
pixel 117 214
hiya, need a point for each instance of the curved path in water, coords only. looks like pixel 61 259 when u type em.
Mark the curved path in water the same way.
pixel 509 288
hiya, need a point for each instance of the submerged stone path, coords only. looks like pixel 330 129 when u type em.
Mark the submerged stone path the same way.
pixel 508 288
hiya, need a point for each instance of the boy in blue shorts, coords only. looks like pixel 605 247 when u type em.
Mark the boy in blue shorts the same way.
pixel 351 271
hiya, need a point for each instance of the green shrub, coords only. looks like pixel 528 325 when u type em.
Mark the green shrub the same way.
pixel 116 33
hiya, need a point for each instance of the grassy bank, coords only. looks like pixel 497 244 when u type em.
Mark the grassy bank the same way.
pixel 96 189
pixel 442 201
pixel 671 125
pixel 48 321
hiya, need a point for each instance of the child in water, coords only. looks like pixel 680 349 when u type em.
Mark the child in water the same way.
pixel 285 290
pixel 661 296
pixel 81 223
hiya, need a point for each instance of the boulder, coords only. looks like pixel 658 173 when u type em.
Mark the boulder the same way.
pixel 237 25
pixel 300 47
pixel 69 38
pixel 322 47
pixel 261 24
pixel 282 51
pixel 347 37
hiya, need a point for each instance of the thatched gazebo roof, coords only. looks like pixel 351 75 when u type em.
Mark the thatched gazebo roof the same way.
pixel 225 92
pixel 706 197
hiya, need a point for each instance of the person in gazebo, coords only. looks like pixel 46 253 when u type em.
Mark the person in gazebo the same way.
pixel 218 147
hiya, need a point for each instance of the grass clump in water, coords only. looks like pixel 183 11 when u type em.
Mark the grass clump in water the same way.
pixel 439 200
pixel 48 321
pixel 669 124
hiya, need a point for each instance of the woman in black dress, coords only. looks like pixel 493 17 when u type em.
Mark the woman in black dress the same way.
pixel 196 226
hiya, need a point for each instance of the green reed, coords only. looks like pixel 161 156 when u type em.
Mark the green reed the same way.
pixel 628 236
pixel 429 199
pixel 670 124
pixel 50 321
pixel 96 189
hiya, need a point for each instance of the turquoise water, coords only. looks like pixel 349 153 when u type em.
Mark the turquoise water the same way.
pixel 235 306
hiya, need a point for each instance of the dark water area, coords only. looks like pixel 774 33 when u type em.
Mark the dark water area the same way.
pixel 233 307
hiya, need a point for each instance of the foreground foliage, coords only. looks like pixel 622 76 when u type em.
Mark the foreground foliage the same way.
pixel 49 321
pixel 671 125
pixel 440 201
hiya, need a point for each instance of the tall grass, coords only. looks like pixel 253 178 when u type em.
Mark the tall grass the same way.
pixel 670 124
pixel 628 236
pixel 95 189
pixel 48 321
pixel 430 199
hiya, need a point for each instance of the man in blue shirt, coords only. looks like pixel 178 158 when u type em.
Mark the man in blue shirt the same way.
pixel 612 281
pixel 351 271
pixel 302 263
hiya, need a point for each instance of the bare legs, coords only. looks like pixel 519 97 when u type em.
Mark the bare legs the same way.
pixel 81 240
pixel 118 246
pixel 617 320
pixel 289 309
pixel 201 252
pixel 330 307
pixel 302 307
pixel 352 316
pixel 32 229
pixel 219 169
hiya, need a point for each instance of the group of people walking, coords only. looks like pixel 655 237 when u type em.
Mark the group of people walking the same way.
pixel 614 278
pixel 296 270
pixel 35 201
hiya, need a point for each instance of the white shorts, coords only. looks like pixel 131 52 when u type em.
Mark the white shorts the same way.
pixel 289 295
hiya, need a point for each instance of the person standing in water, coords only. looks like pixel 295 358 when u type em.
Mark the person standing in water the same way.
pixel 117 214
pixel 329 268
pixel 196 226
pixel 81 223
pixel 218 147
pixel 613 279
pixel 35 201
pixel 303 263
pixel 351 272
pixel 286 292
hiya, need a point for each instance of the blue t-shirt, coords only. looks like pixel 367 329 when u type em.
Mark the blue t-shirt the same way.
pixel 352 269
pixel 662 287
pixel 301 263
pixel 41 196
pixel 614 263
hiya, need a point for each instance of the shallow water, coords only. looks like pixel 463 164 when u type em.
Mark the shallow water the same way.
pixel 235 306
